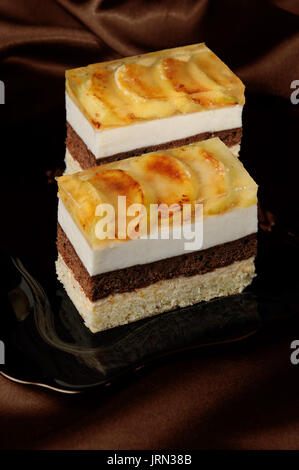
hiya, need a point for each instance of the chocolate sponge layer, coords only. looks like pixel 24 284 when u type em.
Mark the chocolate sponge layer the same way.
pixel 86 159
pixel 139 276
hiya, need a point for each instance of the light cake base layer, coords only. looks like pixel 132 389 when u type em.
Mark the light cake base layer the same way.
pixel 163 296
pixel 71 165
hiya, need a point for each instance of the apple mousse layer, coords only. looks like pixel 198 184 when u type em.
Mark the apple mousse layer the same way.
pixel 151 102
pixel 114 281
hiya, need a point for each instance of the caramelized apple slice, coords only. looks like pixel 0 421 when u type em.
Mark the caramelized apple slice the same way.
pixel 195 84
pixel 138 81
pixel 174 89
pixel 178 74
pixel 214 99
pixel 141 86
pixel 116 106
pixel 215 69
pixel 80 198
pixel 83 192
pixel 213 181
pixel 111 184
pixel 166 180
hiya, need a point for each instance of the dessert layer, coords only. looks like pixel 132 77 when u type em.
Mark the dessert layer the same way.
pixel 71 165
pixel 80 152
pixel 162 296
pixel 204 173
pixel 138 276
pixel 106 142
pixel 116 255
pixel 151 86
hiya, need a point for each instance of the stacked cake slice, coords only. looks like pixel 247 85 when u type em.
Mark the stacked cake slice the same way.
pixel 150 102
pixel 136 272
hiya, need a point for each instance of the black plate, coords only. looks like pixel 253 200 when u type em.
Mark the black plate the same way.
pixel 46 342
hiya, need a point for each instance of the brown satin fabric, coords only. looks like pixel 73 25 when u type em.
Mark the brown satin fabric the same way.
pixel 242 396
pixel 39 40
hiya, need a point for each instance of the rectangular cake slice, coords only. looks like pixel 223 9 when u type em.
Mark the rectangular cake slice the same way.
pixel 132 270
pixel 150 102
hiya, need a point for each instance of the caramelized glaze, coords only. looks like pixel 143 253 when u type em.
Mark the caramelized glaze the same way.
pixel 151 86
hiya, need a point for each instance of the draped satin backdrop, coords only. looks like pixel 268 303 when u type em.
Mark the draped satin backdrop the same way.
pixel 243 396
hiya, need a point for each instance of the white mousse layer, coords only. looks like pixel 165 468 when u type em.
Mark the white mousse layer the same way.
pixel 217 229
pixel 107 142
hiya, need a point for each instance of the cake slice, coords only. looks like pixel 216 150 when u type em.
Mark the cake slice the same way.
pixel 150 102
pixel 137 271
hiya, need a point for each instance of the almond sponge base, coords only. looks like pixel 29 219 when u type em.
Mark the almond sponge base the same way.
pixel 162 296
pixel 71 165
pixel 235 149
